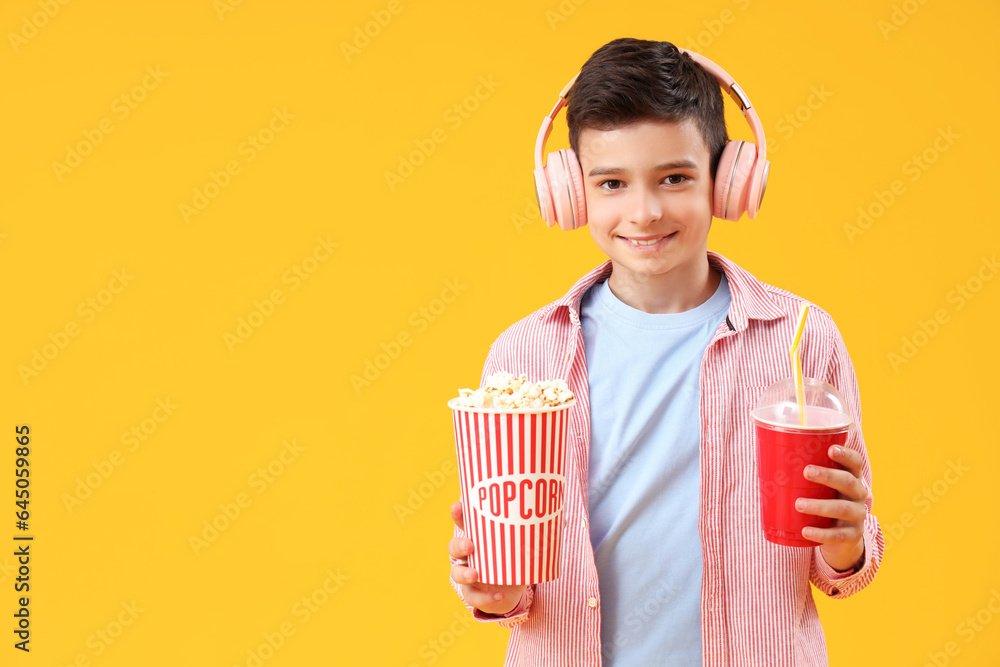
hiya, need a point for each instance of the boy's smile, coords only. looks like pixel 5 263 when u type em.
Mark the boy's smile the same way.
pixel 649 208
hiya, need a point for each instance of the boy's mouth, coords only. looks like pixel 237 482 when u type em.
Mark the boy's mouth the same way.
pixel 645 241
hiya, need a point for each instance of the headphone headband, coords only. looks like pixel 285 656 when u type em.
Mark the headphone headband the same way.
pixel 740 97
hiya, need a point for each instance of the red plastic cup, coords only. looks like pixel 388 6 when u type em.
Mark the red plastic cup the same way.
pixel 785 447
pixel 511 467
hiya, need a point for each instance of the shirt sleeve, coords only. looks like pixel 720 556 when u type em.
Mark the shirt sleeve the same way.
pixel 840 374
pixel 519 614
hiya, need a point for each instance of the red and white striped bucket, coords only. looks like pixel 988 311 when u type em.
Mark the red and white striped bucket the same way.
pixel 511 466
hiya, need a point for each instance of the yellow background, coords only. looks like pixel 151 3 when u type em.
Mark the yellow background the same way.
pixel 464 221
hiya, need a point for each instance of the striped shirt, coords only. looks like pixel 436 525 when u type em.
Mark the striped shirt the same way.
pixel 756 600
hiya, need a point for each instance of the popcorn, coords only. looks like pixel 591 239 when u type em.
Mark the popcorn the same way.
pixel 504 391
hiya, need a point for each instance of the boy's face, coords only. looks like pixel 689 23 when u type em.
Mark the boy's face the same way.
pixel 649 182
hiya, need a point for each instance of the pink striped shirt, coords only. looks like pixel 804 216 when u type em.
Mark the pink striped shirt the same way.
pixel 756 600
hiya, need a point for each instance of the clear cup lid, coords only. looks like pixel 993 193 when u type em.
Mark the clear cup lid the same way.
pixel 826 408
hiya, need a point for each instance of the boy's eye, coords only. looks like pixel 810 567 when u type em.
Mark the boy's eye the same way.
pixel 616 184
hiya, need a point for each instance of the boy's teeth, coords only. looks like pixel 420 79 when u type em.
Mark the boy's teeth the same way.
pixel 650 242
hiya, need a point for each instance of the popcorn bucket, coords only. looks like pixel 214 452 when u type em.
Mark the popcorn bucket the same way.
pixel 511 468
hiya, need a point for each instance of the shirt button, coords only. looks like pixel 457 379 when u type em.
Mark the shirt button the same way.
pixel 592 603
pixel 583 522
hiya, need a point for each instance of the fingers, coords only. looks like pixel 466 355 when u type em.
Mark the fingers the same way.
pixel 461 574
pixel 492 599
pixel 840 535
pixel 847 511
pixel 460 547
pixel 846 482
pixel 456 516
pixel 845 537
pixel 486 597
pixel 848 458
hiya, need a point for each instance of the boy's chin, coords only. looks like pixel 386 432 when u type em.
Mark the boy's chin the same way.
pixel 652 266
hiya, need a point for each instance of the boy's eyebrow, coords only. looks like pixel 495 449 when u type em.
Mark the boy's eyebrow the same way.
pixel 666 166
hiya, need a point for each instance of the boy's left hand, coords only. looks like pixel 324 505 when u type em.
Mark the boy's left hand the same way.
pixel 843 545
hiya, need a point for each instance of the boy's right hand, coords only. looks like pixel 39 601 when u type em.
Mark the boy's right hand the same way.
pixel 487 598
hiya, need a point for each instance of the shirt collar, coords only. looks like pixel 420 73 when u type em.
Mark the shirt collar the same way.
pixel 750 297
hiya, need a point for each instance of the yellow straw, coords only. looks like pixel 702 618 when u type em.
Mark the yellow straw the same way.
pixel 793 352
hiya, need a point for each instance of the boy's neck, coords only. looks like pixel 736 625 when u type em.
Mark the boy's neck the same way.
pixel 680 289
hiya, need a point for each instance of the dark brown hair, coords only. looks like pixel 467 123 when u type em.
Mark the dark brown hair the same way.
pixel 630 80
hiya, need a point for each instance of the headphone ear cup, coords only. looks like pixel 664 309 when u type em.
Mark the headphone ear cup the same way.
pixel 732 180
pixel 565 183
pixel 544 196
pixel 757 187
pixel 576 187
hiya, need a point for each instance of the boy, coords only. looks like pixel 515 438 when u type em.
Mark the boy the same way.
pixel 668 347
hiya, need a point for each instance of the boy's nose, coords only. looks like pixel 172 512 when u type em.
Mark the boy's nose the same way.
pixel 645 207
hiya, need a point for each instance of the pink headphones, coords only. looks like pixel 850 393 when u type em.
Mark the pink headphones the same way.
pixel 739 183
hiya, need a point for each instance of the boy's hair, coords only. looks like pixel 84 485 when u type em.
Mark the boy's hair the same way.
pixel 630 80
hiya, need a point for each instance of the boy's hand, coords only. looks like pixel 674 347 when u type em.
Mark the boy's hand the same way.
pixel 487 598
pixel 843 545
